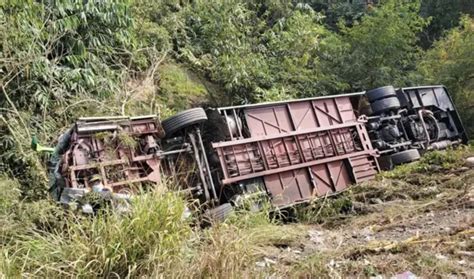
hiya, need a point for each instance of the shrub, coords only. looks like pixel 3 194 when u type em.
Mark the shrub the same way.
pixel 109 244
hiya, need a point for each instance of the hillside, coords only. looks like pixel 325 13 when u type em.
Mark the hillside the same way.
pixel 67 59
pixel 417 218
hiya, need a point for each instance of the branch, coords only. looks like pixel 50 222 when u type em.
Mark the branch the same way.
pixel 150 74
pixel 13 105
pixel 20 147
pixel 79 102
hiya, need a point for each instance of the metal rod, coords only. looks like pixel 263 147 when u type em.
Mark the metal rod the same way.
pixel 262 155
pixel 237 122
pixel 198 161
pixel 278 136
pixel 420 114
pixel 220 153
pixel 384 117
pixel 249 159
pixel 206 163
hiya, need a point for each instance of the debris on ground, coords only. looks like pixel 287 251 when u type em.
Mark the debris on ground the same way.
pixel 414 219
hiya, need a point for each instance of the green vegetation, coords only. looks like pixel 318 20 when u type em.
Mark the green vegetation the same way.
pixel 40 239
pixel 179 88
pixel 63 59
pixel 383 46
pixel 433 161
pixel 451 62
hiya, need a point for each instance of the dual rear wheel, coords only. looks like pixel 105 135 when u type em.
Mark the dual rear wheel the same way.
pixel 383 99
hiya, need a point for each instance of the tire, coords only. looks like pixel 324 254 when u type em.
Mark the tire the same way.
pixel 406 156
pixel 380 93
pixel 384 105
pixel 183 119
pixel 219 213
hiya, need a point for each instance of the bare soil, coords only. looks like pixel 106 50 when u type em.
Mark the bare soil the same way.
pixel 425 226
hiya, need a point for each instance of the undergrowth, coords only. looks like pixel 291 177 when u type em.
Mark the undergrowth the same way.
pixel 433 161
pixel 41 239
pixel 418 180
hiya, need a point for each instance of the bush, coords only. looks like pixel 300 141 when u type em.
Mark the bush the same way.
pixel 438 160
pixel 55 55
pixel 54 242
pixel 179 89
pixel 450 62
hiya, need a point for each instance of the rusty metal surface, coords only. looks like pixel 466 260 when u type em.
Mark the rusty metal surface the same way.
pixel 302 149
pixel 121 151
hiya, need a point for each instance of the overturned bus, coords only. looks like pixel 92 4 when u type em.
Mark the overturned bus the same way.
pixel 289 151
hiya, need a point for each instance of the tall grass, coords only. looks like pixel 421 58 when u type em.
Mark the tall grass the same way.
pixel 42 240
pixel 439 160
pixel 231 249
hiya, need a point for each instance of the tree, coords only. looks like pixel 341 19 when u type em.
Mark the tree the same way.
pixel 450 62
pixel 263 50
pixel 382 46
pixel 336 10
pixel 444 15
pixel 299 49
pixel 54 55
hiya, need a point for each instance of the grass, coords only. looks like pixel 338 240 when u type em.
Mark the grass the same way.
pixel 54 242
pixel 387 209
pixel 39 239
pixel 179 88
pixel 434 161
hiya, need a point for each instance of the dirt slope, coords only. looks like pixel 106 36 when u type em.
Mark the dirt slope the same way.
pixel 419 219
